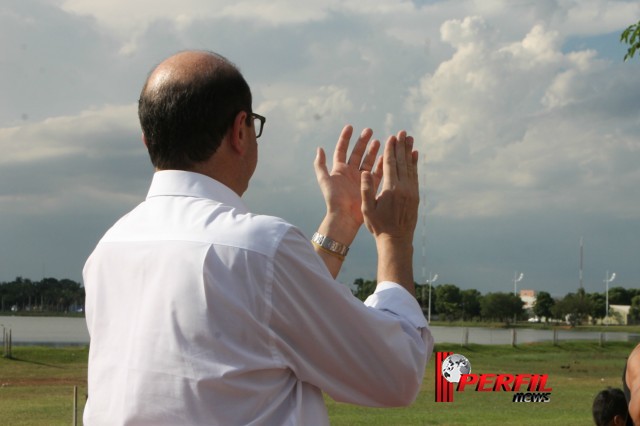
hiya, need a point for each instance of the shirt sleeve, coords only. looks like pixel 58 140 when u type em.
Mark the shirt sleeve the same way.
pixel 396 300
pixel 371 353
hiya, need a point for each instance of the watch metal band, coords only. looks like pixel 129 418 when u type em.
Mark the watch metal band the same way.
pixel 330 245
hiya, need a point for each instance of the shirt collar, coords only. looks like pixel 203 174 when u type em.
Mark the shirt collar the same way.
pixel 191 184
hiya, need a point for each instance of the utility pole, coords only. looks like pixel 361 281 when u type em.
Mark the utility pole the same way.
pixel 431 280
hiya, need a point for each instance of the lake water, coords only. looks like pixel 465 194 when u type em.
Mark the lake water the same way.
pixel 73 331
pixel 45 330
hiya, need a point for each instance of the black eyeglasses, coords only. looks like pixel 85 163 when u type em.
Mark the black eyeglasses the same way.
pixel 257 118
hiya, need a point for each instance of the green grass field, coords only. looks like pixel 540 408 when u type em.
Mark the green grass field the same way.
pixel 36 388
pixel 577 372
pixel 37 385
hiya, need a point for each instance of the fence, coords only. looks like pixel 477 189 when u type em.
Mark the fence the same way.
pixel 513 337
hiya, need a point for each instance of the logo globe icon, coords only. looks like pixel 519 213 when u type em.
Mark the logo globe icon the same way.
pixel 454 366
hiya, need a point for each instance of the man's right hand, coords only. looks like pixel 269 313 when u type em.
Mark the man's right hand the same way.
pixel 392 215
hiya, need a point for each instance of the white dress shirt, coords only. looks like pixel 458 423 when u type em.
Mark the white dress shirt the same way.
pixel 202 313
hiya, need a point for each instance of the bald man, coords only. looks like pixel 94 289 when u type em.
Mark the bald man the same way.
pixel 202 312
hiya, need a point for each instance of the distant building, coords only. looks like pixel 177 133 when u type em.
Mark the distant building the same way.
pixel 528 297
pixel 618 314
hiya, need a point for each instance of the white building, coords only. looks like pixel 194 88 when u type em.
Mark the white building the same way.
pixel 528 297
pixel 618 315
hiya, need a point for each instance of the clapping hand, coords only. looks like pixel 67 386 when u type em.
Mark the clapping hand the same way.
pixel 341 190
pixel 393 212
pixel 391 216
pixel 341 186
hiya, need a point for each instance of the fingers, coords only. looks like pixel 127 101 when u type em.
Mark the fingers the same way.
pixel 358 158
pixel 400 160
pixel 359 149
pixel 340 154
pixel 369 160
pixel 414 164
pixel 403 154
pixel 368 193
pixel 389 163
pixel 393 210
pixel 377 173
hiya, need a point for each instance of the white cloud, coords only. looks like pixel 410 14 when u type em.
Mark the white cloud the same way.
pixel 599 16
pixel 510 126
pixel 140 14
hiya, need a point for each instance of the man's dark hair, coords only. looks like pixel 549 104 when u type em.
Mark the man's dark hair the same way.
pixel 185 119
pixel 607 404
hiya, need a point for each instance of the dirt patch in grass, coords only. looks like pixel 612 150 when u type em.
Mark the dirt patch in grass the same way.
pixel 44 381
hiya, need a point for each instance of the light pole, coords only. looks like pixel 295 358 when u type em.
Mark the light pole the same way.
pixel 516 280
pixel 431 280
pixel 607 280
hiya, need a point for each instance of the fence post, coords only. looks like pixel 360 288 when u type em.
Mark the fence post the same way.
pixel 555 337
pixel 6 340
pixel 465 337
pixel 513 337
pixel 75 406
pixel 601 339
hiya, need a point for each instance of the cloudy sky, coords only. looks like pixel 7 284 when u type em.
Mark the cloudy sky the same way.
pixel 526 117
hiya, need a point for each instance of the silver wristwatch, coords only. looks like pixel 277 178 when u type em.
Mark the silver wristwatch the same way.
pixel 330 245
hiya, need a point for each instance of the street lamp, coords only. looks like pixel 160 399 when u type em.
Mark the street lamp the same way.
pixel 431 280
pixel 607 280
pixel 516 280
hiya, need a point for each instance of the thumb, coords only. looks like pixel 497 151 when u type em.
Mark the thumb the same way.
pixel 320 165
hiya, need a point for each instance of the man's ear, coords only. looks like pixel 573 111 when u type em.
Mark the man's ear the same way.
pixel 618 420
pixel 239 134
pixel 144 141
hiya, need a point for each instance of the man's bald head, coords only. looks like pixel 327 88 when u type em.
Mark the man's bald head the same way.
pixel 187 105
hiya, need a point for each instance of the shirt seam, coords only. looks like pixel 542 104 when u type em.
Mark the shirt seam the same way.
pixel 275 353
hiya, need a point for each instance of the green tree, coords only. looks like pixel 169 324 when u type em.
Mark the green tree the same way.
pixel 574 308
pixel 631 36
pixel 422 295
pixel 448 301
pixel 633 292
pixel 634 312
pixel 49 294
pixel 363 288
pixel 598 306
pixel 543 304
pixel 619 296
pixel 501 307
pixel 470 304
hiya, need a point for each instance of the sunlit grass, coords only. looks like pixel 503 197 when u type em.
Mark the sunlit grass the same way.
pixel 37 385
pixel 577 372
pixel 36 388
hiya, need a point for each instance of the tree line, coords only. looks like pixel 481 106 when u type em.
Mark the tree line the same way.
pixel 450 303
pixel 46 295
